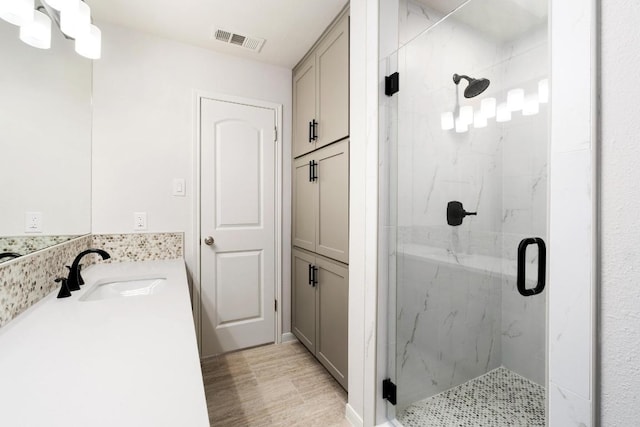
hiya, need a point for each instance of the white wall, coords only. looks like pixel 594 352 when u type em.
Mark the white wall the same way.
pixel 620 207
pixel 144 132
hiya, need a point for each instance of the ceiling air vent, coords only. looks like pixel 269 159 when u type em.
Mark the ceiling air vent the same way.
pixel 251 43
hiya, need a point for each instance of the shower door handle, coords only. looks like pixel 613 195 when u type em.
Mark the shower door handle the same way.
pixel 522 264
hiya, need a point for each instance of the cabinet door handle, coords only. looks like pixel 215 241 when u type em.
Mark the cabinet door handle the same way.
pixel 314 167
pixel 315 275
pixel 542 266
pixel 310 171
pixel 314 125
pixel 310 274
pixel 310 131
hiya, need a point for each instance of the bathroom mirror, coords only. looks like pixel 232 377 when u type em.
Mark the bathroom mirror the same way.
pixel 45 143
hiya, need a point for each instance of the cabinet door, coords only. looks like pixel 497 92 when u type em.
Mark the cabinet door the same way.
pixel 332 225
pixel 304 106
pixel 303 316
pixel 305 201
pixel 332 322
pixel 332 60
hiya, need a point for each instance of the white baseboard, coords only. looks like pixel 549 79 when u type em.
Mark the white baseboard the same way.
pixel 352 416
pixel 288 336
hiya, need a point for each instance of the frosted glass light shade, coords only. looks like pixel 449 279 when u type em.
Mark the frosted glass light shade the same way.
pixel 37 33
pixel 531 105
pixel 479 120
pixel 543 91
pixel 503 113
pixel 17 12
pixel 488 107
pixel 75 22
pixel 461 126
pixel 515 99
pixel 89 44
pixel 466 114
pixel 446 120
pixel 63 5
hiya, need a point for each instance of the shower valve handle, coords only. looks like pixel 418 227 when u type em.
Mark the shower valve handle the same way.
pixel 456 213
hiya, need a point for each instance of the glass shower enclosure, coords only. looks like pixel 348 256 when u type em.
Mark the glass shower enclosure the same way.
pixel 465 147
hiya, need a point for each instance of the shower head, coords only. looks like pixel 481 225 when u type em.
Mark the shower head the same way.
pixel 475 87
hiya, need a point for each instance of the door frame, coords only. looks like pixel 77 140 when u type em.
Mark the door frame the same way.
pixel 196 299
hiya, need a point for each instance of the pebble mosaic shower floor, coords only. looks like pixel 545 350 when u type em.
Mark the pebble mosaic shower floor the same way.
pixel 500 398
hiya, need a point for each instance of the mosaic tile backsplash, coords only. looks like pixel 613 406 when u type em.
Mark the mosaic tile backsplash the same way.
pixel 140 246
pixel 24 245
pixel 26 280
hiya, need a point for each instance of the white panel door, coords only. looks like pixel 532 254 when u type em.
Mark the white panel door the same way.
pixel 238 213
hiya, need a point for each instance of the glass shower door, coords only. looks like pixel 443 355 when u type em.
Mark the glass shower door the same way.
pixel 470 184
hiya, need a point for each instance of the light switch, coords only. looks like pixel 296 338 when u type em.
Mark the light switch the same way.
pixel 139 221
pixel 33 222
pixel 179 187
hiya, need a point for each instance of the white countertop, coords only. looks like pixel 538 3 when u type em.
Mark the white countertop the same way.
pixel 116 362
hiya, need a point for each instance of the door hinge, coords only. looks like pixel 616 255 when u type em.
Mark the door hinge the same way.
pixel 389 391
pixel 276 304
pixel 391 84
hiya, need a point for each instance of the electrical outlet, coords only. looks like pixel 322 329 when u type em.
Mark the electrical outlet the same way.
pixel 33 222
pixel 139 220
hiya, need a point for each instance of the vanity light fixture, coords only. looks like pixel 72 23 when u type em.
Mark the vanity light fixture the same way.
pixel 17 12
pixel 446 120
pixel 488 107
pixel 515 99
pixel 504 113
pixel 466 114
pixel 73 18
pixel 75 22
pixel 37 33
pixel 89 44
pixel 531 105
pixel 543 91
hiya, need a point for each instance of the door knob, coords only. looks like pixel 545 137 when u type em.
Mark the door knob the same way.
pixel 209 241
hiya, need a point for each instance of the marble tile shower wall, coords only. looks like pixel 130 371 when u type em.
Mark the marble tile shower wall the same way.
pixel 26 280
pixel 453 323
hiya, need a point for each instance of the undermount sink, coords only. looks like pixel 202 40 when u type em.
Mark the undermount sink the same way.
pixel 125 288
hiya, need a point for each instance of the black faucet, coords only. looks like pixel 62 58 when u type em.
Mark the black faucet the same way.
pixel 75 279
pixel 9 255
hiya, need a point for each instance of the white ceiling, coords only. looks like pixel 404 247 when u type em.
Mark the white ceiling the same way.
pixel 290 27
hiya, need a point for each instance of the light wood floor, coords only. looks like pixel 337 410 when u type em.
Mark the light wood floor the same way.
pixel 274 385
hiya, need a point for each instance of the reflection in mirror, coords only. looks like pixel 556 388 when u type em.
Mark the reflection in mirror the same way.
pixel 45 143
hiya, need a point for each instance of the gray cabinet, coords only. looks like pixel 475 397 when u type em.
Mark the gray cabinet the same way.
pixel 320 312
pixel 320 202
pixel 321 92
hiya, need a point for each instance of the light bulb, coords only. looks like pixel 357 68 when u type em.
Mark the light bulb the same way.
pixel 461 126
pixel 63 5
pixel 466 114
pixel 488 107
pixel 38 32
pixel 503 113
pixel 17 12
pixel 446 120
pixel 89 44
pixel 531 105
pixel 76 22
pixel 479 120
pixel 515 99
pixel 543 91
